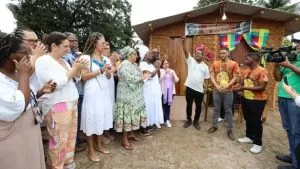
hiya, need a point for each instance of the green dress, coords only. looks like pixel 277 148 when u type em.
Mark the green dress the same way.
pixel 130 106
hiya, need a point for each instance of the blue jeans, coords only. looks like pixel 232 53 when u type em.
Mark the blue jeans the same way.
pixel 79 105
pixel 290 116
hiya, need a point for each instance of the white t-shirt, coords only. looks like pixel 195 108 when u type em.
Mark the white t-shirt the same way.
pixel 46 68
pixel 197 73
pixel 297 100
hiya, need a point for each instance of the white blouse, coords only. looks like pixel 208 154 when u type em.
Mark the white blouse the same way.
pixel 12 100
pixel 46 69
pixel 297 100
pixel 162 77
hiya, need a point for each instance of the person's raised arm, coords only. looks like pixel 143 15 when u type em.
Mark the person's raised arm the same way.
pixel 184 46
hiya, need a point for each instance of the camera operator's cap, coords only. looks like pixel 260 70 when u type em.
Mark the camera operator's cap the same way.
pixel 296 40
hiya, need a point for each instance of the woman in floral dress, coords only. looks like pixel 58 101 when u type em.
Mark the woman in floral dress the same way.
pixel 130 107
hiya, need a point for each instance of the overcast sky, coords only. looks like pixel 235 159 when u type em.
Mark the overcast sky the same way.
pixel 142 11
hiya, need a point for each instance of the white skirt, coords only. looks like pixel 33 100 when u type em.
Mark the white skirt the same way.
pixel 152 95
pixel 97 108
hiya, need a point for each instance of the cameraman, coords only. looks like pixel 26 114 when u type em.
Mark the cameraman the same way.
pixel 290 113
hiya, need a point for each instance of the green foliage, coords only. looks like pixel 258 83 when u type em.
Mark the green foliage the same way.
pixel 275 4
pixel 202 3
pixel 82 17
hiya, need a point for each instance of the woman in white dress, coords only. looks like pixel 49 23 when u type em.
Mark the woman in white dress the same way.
pixel 108 136
pixel 152 90
pixel 97 114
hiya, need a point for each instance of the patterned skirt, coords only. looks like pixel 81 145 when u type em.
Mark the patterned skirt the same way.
pixel 129 116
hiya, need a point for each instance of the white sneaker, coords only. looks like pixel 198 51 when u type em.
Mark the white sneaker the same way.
pixel 168 123
pixel 245 140
pixel 220 119
pixel 158 126
pixel 256 149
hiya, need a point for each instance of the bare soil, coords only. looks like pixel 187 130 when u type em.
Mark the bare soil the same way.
pixel 180 148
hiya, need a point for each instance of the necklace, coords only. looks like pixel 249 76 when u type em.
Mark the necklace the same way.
pixel 99 64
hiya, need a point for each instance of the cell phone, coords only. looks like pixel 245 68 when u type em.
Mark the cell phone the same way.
pixel 285 80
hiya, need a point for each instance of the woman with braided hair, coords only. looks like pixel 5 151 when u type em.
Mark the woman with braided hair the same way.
pixel 97 114
pixel 20 135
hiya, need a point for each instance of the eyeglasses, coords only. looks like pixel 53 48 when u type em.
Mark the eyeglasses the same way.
pixel 31 40
pixel 73 41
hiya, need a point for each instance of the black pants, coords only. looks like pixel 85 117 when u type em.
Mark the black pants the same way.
pixel 191 96
pixel 79 106
pixel 253 110
pixel 297 154
pixel 166 109
pixel 116 79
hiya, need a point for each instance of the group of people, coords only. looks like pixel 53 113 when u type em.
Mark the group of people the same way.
pixel 250 84
pixel 226 77
pixel 94 91
pixel 52 81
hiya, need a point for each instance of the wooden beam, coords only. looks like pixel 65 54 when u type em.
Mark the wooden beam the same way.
pixel 292 19
pixel 150 27
pixel 257 13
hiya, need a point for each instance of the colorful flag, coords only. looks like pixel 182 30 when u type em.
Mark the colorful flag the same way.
pixel 257 38
pixel 230 40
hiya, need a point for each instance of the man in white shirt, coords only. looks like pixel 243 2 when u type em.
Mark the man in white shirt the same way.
pixel 198 74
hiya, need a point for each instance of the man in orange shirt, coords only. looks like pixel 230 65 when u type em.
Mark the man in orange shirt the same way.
pixel 254 98
pixel 224 73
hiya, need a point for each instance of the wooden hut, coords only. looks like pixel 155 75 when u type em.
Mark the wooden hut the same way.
pixel 166 33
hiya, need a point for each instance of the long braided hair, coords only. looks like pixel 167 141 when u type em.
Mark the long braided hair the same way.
pixel 91 42
pixel 9 43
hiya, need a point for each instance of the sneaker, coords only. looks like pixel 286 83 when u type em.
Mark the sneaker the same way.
pixel 281 166
pixel 197 125
pixel 256 149
pixel 284 158
pixel 158 125
pixel 187 124
pixel 245 140
pixel 230 135
pixel 220 119
pixel 212 130
pixel 168 124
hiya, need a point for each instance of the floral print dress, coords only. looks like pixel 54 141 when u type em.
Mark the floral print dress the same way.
pixel 130 111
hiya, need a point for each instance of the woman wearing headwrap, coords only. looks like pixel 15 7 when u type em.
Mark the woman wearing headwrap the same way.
pixel 130 108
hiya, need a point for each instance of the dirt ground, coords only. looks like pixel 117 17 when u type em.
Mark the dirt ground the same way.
pixel 180 148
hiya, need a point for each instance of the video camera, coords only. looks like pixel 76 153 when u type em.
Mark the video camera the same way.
pixel 280 54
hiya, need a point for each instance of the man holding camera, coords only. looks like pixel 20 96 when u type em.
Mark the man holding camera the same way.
pixel 290 113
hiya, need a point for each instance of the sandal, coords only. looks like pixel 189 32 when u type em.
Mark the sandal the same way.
pixel 127 147
pixel 102 151
pixel 134 138
pixel 94 160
